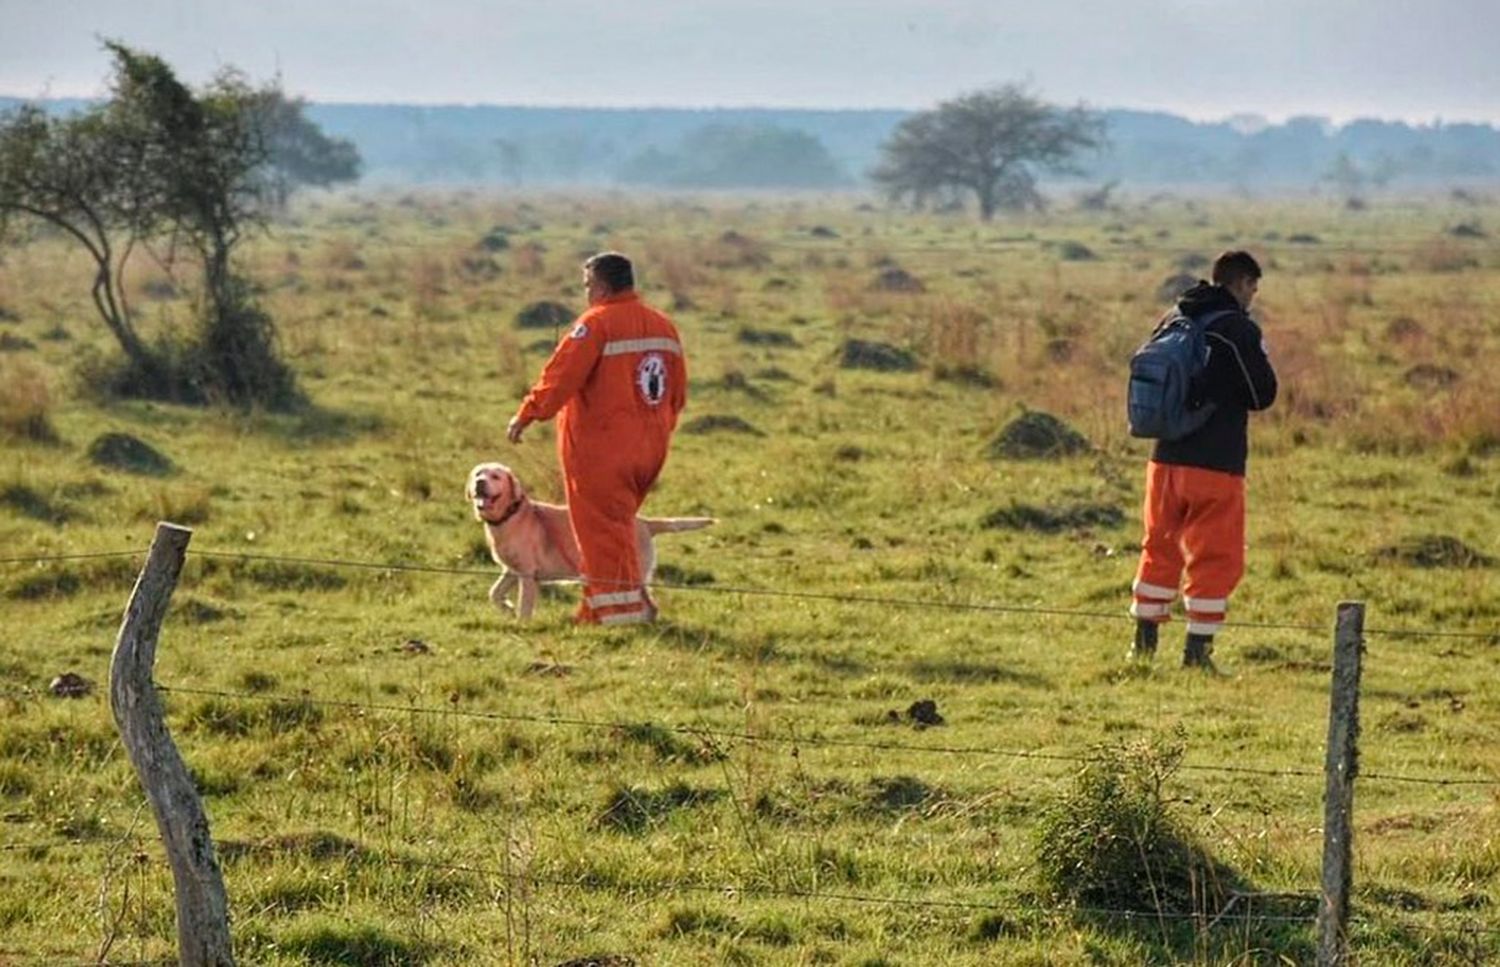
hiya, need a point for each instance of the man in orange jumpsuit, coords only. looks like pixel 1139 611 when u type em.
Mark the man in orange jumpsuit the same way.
pixel 616 383
pixel 1194 511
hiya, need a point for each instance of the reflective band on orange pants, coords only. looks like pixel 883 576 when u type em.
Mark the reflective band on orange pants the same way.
pixel 1195 523
pixel 605 492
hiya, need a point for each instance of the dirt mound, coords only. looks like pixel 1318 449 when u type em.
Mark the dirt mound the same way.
pixel 879 356
pixel 1427 376
pixel 893 278
pixel 1035 435
pixel 121 451
pixel 544 315
pixel 1433 550
pixel 1071 251
pixel 898 793
pixel 751 336
pixel 1051 519
pixel 720 423
pixel 479 267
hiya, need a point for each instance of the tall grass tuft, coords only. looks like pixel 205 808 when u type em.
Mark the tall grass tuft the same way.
pixel 1112 840
pixel 25 404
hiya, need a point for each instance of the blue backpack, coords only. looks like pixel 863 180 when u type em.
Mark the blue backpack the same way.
pixel 1162 371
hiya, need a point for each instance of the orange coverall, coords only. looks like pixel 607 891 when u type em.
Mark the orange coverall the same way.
pixel 616 383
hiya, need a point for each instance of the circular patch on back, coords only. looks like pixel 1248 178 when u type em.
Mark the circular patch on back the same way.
pixel 651 378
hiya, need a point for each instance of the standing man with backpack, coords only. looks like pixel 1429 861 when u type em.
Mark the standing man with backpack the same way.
pixel 1194 511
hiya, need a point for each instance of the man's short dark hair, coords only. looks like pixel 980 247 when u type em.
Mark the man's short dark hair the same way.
pixel 1235 266
pixel 613 269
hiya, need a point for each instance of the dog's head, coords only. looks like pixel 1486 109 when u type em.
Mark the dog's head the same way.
pixel 493 491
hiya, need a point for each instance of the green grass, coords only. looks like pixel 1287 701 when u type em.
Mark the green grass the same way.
pixel 672 793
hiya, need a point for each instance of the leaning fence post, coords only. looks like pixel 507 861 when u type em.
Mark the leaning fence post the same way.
pixel 1340 768
pixel 202 905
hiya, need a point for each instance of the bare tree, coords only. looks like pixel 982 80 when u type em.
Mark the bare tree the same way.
pixel 989 143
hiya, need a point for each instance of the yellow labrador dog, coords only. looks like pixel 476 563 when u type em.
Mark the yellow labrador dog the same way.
pixel 534 541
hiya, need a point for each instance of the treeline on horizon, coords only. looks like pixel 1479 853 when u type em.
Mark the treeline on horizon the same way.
pixel 788 148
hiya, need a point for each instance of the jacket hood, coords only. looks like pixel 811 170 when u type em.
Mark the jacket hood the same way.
pixel 1206 297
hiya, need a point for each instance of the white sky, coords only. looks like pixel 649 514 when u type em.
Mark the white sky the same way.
pixel 1203 58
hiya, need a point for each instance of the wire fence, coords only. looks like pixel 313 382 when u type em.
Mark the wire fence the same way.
pixel 794 741
pixel 1016 902
pixel 832 597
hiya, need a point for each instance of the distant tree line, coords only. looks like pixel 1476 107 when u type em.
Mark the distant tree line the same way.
pixel 738 156
pixel 598 146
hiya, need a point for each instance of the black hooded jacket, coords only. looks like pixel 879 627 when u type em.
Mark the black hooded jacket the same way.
pixel 1238 377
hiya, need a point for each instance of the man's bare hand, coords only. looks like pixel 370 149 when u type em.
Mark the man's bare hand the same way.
pixel 515 428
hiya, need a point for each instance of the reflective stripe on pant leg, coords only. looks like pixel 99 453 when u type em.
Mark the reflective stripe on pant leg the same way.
pixel 1214 541
pixel 1160 566
pixel 1205 616
pixel 639 616
pixel 614 598
pixel 603 519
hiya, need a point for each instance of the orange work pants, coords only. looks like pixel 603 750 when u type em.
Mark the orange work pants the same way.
pixel 606 485
pixel 1195 522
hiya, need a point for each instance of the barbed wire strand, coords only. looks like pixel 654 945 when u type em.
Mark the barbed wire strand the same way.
pixel 844 598
pixel 830 596
pixel 1019 901
pixel 730 890
pixel 795 742
pixel 81 556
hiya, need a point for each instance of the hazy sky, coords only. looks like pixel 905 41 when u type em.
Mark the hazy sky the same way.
pixel 1204 58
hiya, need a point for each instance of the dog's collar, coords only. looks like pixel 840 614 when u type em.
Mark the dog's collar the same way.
pixel 509 512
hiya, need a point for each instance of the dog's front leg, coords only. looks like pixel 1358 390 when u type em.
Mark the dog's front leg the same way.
pixel 501 588
pixel 526 601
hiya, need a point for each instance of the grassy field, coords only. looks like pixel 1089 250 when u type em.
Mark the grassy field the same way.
pixel 743 782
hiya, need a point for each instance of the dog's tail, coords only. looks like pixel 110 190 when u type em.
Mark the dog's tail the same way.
pixel 668 525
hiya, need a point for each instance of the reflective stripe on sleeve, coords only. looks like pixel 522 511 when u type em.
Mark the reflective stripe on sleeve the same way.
pixel 619 347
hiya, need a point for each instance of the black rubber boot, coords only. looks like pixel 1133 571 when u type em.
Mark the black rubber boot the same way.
pixel 1199 652
pixel 1144 647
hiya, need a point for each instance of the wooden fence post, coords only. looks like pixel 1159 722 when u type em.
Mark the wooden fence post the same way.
pixel 202 904
pixel 1340 768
